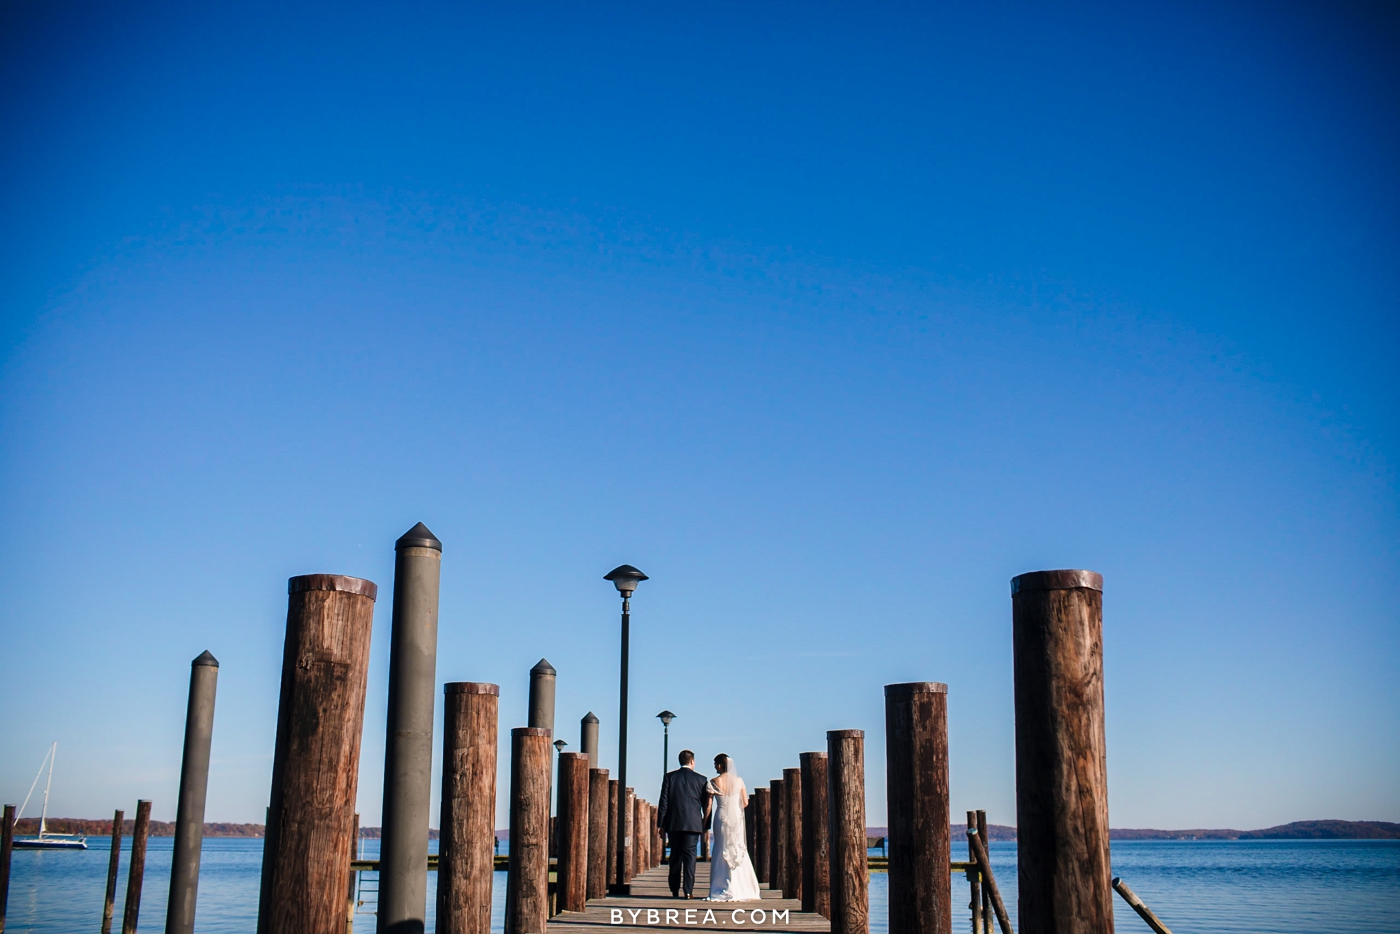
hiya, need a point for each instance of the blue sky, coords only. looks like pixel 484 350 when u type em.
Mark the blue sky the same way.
pixel 831 319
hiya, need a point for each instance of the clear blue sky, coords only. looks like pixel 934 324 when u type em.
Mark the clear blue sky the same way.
pixel 832 319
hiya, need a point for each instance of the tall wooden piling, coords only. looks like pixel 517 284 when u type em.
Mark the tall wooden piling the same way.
pixel 777 847
pixel 598 796
pixel 850 882
pixel 572 887
pixel 792 834
pixel 762 827
pixel 136 871
pixel 916 775
pixel 466 851
pixel 315 765
pixel 614 791
pixel 527 877
pixel 987 913
pixel 1061 754
pixel 974 878
pixel 7 842
pixel 114 857
pixel 408 743
pixel 194 785
pixel 816 854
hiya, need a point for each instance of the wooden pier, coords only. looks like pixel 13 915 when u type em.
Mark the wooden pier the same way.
pixel 650 906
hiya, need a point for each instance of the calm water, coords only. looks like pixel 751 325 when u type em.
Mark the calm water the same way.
pixel 1253 887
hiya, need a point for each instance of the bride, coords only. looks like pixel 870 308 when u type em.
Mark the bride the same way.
pixel 732 878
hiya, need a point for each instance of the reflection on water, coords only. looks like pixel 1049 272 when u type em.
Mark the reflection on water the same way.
pixel 1197 887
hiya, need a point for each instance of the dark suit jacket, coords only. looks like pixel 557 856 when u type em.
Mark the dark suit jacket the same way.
pixel 682 805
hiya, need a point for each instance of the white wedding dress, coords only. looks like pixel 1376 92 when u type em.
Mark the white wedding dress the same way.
pixel 732 878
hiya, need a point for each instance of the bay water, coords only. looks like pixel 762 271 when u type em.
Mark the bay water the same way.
pixel 1196 887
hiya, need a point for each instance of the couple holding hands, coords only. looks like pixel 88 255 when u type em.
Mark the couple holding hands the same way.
pixel 688 803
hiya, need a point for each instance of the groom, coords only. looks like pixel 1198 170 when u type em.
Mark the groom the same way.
pixel 684 813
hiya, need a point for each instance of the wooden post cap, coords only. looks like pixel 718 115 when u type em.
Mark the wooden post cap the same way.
pixel 819 755
pixel 471 687
pixel 530 731
pixel 1057 580
pixel 569 756
pixel 845 734
pixel 915 687
pixel 339 582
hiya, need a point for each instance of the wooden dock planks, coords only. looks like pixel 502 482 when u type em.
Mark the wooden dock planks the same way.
pixel 651 893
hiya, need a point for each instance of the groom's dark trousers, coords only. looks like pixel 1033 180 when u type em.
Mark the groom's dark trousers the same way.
pixel 681 813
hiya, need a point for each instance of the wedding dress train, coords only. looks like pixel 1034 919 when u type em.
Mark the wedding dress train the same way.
pixel 732 878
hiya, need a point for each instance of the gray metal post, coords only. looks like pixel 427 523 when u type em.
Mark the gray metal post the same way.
pixel 194 784
pixel 542 678
pixel 408 750
pixel 588 739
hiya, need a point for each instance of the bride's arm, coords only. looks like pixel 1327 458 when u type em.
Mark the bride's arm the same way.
pixel 743 794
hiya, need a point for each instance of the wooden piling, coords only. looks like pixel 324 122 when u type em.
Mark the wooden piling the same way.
pixel 641 824
pixel 194 784
pixel 792 833
pixel 572 874
pixel 527 877
pixel 136 871
pixel 762 798
pixel 315 765
pixel 916 755
pixel 974 879
pixel 7 841
pixel 816 854
pixel 598 797
pixel 749 829
pixel 849 874
pixel 629 854
pixel 614 790
pixel 987 912
pixel 777 849
pixel 989 882
pixel 655 846
pixel 1061 754
pixel 114 858
pixel 466 838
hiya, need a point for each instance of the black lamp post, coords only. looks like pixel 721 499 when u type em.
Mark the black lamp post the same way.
pixel 625 578
pixel 665 717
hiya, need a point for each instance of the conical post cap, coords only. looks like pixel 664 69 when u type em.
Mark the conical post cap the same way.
pixel 543 667
pixel 205 660
pixel 418 537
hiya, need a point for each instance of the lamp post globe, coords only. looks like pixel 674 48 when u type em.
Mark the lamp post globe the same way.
pixel 625 578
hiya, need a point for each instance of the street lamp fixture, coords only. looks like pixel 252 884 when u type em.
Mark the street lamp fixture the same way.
pixel 665 717
pixel 625 578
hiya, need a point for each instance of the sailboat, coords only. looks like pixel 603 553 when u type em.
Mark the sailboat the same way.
pixel 46 840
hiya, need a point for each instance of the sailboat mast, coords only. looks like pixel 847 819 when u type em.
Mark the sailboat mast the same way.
pixel 44 814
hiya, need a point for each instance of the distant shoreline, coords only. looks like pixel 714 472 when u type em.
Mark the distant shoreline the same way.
pixel 1298 830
